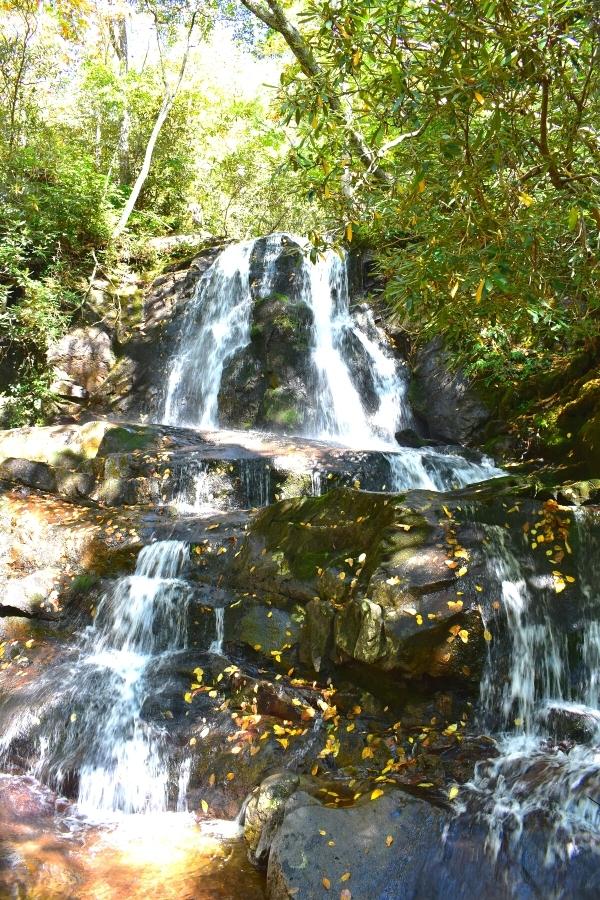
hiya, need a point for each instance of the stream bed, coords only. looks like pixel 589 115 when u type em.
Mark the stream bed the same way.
pixel 288 655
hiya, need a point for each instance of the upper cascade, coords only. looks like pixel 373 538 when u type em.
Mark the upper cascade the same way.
pixel 270 341
pixel 276 330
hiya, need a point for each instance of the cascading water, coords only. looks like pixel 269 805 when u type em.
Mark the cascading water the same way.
pixel 217 644
pixel 217 326
pixel 549 692
pixel 349 358
pixel 119 759
pixel 338 413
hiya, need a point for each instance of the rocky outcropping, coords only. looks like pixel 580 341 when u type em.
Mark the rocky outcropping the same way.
pixel 375 576
pixel 444 399
pixel 81 361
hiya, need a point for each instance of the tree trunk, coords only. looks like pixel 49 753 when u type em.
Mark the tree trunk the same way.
pixel 119 40
pixel 143 174
pixel 165 108
pixel 271 13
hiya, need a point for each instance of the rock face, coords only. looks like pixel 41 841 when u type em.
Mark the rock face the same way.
pixel 266 383
pixel 444 399
pixel 372 575
pixel 402 846
pixel 81 361
pixel 135 385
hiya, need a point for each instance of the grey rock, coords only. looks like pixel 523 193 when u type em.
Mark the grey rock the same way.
pixel 444 399
pixel 432 854
pixel 81 361
pixel 265 810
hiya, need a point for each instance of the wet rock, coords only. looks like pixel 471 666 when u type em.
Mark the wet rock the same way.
pixel 573 723
pixel 372 574
pixel 270 629
pixel 406 846
pixel 264 812
pixel 317 636
pixel 444 399
pixel 359 631
pixel 265 384
pixel 407 437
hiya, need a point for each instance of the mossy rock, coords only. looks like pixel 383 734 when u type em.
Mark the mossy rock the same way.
pixel 372 575
pixel 119 439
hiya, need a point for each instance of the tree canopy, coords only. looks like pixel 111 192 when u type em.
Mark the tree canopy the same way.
pixel 458 140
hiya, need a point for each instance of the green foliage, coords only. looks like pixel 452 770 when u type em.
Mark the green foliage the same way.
pixel 482 200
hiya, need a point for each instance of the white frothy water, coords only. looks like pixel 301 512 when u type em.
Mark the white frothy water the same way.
pixel 119 756
pixel 217 326
pixel 338 410
pixel 356 387
pixel 217 644
pixel 146 614
pixel 533 772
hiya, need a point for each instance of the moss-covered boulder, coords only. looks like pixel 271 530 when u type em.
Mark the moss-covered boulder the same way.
pixel 376 576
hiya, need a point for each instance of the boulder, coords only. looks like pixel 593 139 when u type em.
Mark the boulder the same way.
pixel 405 846
pixel 444 398
pixel 264 812
pixel 81 361
pixel 372 575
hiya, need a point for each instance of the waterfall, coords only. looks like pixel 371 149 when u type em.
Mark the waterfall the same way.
pixel 538 683
pixel 216 327
pixel 338 411
pixel 354 386
pixel 117 757
pixel 217 644
pixel 255 478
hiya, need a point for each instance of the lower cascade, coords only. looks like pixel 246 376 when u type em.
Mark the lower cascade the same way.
pixel 117 756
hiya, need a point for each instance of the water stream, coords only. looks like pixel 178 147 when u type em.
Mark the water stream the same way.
pixel 347 349
pixel 119 759
pixel 539 694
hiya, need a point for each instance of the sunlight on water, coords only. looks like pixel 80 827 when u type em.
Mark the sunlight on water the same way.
pixel 164 855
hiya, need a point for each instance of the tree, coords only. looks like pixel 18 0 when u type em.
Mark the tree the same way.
pixel 482 114
pixel 170 93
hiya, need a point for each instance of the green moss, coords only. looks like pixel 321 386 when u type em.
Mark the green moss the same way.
pixel 277 408
pixel 124 440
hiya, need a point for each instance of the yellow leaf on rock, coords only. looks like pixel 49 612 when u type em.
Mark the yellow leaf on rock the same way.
pixel 345 877
pixel 463 635
pixel 326 883
pixel 376 794
pixel 453 792
pixel 487 636
pixel 389 840
pixel 204 806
